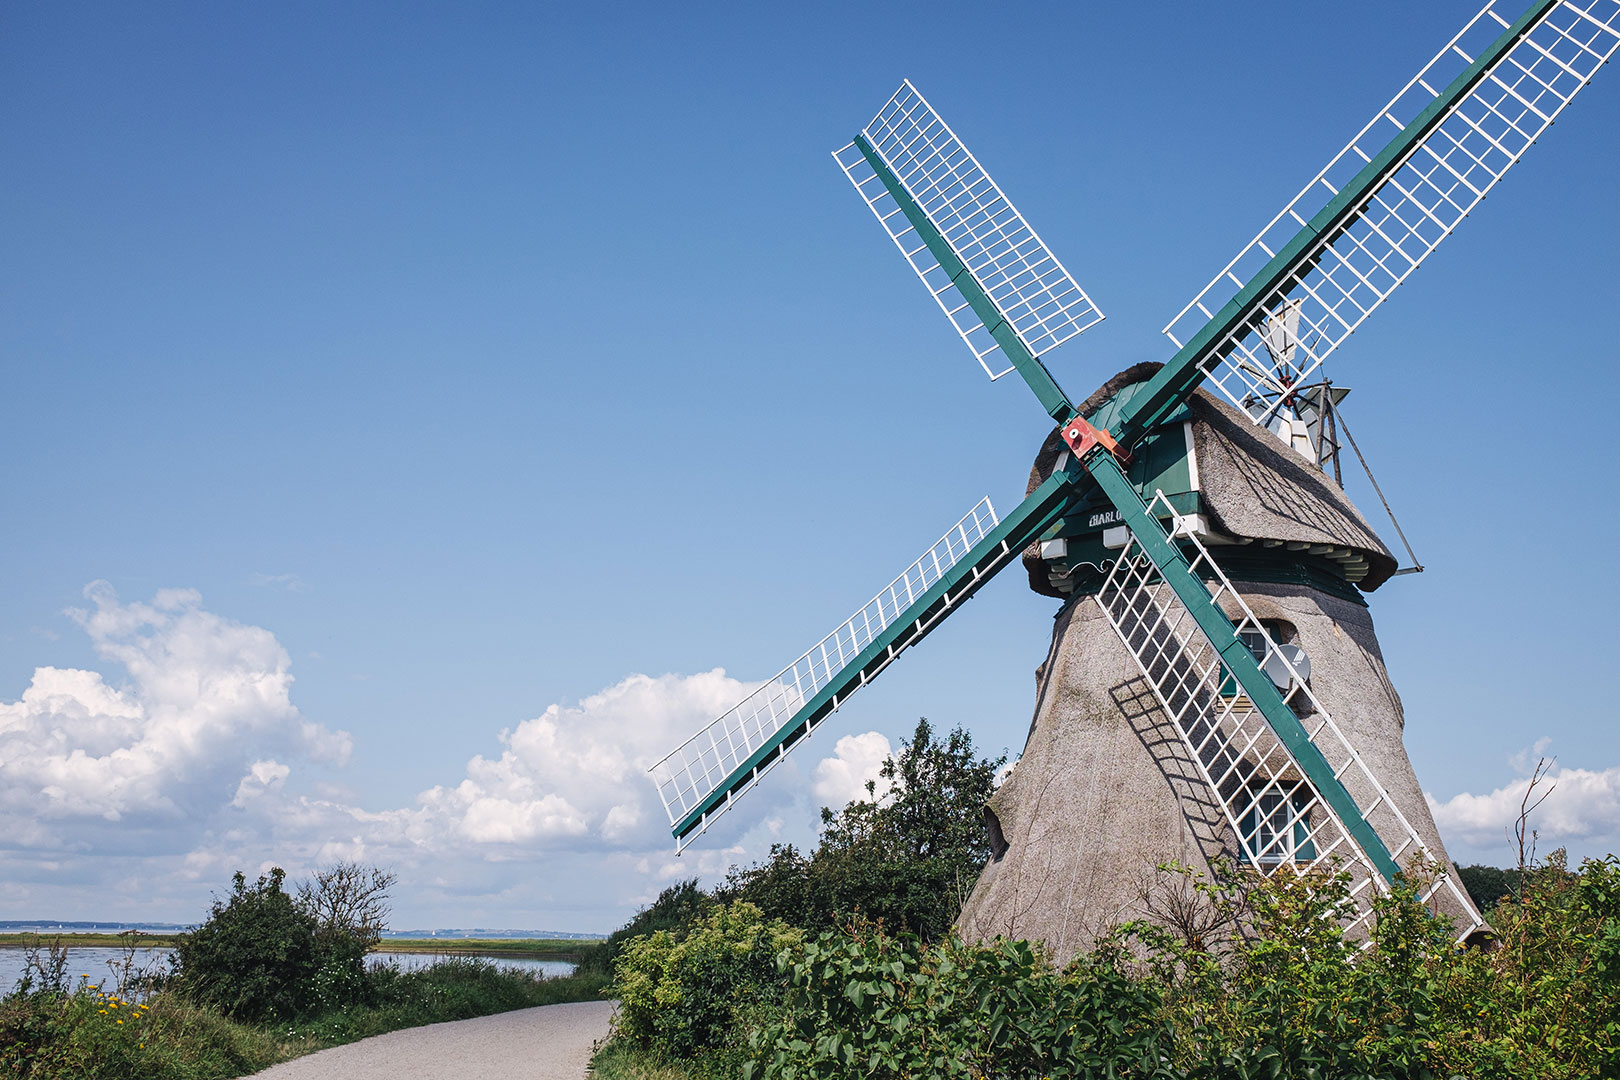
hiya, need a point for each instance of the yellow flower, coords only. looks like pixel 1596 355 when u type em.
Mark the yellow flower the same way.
pixel 120 1021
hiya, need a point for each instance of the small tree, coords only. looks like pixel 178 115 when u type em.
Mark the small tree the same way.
pixel 349 901
pixel 349 904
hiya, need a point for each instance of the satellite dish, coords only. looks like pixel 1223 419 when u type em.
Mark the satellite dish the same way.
pixel 1283 664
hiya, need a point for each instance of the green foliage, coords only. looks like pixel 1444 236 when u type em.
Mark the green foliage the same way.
pixel 616 1060
pixel 90 1034
pixel 1252 977
pixel 906 858
pixel 254 957
pixel 78 1036
pixel 674 911
pixel 874 1005
pixel 682 995
pixel 264 955
pixel 1488 885
pixel 454 988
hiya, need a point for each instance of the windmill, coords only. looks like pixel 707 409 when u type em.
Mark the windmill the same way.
pixel 1179 714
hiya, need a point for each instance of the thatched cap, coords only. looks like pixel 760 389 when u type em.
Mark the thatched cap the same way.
pixel 1252 485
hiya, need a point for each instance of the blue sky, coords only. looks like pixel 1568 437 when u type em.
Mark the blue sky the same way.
pixel 465 364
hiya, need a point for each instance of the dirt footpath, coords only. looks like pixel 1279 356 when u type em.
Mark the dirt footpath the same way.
pixel 552 1042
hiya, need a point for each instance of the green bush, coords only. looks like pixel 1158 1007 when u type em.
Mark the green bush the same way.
pixel 675 910
pixel 874 1005
pixel 254 957
pixel 691 994
pixel 905 858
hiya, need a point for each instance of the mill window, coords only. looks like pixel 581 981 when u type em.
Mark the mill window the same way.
pixel 1276 826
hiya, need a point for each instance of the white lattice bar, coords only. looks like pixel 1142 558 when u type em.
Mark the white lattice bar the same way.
pixel 1276 818
pixel 1031 290
pixel 1424 196
pixel 694 770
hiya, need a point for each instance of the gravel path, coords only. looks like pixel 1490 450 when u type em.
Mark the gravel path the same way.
pixel 552 1042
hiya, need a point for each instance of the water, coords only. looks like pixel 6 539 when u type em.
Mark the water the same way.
pixel 93 962
pixel 83 961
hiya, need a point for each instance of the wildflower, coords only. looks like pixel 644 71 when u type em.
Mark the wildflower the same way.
pixel 120 1021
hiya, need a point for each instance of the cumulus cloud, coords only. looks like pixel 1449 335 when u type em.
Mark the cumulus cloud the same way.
pixel 262 777
pixel 1583 809
pixel 856 759
pixel 579 772
pixel 190 763
pixel 203 693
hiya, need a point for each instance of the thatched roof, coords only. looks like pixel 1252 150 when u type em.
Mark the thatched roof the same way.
pixel 1252 485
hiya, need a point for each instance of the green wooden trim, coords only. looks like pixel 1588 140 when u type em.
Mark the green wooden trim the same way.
pixel 1195 597
pixel 1051 396
pixel 1178 378
pixel 999 548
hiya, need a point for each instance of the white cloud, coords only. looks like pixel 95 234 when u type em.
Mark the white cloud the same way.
pixel 203 694
pixel 154 785
pixel 262 776
pixel 1582 809
pixel 579 772
pixel 842 778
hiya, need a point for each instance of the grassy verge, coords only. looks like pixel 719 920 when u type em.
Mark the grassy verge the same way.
pixel 616 1061
pixel 513 948
pixel 89 941
pixel 88 1035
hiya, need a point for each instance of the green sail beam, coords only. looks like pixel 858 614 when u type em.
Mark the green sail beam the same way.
pixel 1000 547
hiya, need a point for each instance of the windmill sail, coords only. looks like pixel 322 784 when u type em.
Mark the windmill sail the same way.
pixel 1371 217
pixel 1278 814
pixel 702 777
pixel 991 274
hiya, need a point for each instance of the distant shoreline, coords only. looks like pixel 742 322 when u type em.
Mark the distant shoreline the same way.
pixel 567 949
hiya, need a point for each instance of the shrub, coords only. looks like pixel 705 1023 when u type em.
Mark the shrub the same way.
pixel 691 994
pixel 875 1005
pixel 675 910
pixel 254 957
pixel 905 858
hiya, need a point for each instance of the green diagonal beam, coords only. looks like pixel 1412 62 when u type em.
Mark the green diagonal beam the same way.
pixel 1000 547
pixel 1195 597
pixel 1176 381
pixel 1051 396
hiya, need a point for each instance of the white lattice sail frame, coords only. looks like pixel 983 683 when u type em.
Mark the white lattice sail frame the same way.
pixel 1033 292
pixel 1344 277
pixel 1275 816
pixel 692 772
